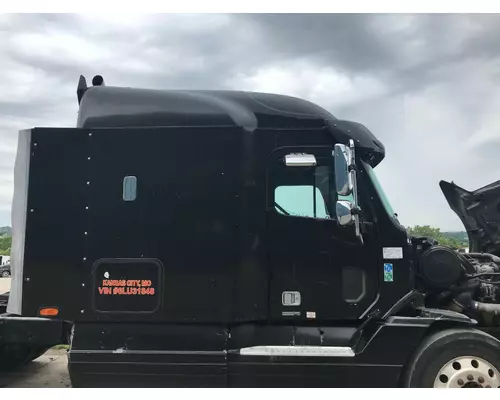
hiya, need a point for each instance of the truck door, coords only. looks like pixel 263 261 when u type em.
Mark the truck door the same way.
pixel 319 270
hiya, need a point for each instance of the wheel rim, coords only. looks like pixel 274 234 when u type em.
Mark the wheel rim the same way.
pixel 468 372
pixel 5 274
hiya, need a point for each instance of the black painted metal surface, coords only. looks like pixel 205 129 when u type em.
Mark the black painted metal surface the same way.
pixel 142 355
pixel 167 284
pixel 40 331
pixel 204 210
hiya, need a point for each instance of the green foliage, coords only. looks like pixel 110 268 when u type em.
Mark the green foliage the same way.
pixel 455 240
pixel 5 245
pixel 461 236
pixel 5 230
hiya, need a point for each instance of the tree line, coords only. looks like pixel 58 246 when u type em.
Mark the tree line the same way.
pixel 456 240
pixel 5 244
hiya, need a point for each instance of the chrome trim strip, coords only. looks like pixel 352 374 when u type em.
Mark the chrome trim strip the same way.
pixel 298 351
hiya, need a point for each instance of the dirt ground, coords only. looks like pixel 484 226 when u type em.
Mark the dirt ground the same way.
pixel 4 285
pixel 49 370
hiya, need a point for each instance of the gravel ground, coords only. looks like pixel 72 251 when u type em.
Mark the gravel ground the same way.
pixel 49 370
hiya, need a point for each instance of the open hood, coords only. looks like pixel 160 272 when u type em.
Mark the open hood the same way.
pixel 479 211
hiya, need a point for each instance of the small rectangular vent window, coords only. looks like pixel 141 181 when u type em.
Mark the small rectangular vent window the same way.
pixel 129 188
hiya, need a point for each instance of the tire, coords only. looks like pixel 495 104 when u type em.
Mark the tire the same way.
pixel 5 274
pixel 455 358
pixel 13 356
pixel 35 353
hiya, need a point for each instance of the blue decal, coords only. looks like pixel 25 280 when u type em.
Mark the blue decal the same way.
pixel 388 273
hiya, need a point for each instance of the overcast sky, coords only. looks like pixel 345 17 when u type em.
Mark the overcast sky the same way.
pixel 428 86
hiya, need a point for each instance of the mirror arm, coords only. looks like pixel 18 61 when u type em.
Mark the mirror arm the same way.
pixel 356 209
pixel 346 184
pixel 358 233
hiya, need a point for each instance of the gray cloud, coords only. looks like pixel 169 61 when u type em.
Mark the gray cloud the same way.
pixel 425 84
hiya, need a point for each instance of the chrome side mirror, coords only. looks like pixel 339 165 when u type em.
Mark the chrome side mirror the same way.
pixel 342 160
pixel 346 184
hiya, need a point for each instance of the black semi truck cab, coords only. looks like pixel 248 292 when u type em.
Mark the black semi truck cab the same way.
pixel 224 238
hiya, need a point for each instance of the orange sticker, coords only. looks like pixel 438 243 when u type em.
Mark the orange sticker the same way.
pixel 126 287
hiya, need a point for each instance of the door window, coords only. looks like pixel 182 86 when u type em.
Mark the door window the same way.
pixel 300 201
pixel 305 192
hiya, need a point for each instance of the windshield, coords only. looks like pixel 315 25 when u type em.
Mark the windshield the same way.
pixel 378 188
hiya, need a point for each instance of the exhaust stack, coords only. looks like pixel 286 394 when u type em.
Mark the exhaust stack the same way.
pixel 98 80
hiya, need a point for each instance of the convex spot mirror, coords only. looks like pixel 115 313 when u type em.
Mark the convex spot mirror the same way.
pixel 343 177
pixel 344 210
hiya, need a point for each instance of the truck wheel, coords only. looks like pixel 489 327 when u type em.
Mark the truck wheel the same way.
pixel 14 355
pixel 5 274
pixel 35 353
pixel 456 358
